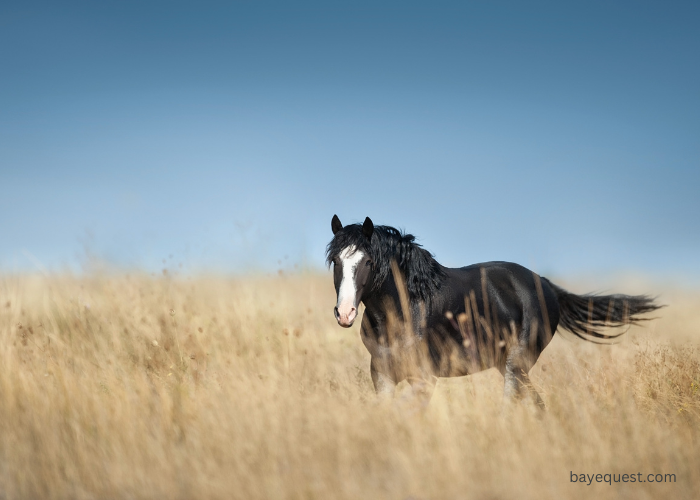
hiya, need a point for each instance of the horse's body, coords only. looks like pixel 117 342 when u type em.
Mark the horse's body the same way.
pixel 424 320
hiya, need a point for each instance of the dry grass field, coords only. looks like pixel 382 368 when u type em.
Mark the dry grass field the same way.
pixel 132 386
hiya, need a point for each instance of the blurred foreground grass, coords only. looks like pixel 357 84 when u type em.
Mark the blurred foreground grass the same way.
pixel 141 387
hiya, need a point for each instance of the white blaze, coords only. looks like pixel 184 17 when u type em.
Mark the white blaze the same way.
pixel 347 308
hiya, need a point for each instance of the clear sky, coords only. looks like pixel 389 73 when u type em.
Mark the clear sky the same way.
pixel 561 135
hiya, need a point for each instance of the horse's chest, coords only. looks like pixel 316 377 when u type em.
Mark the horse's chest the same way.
pixel 384 340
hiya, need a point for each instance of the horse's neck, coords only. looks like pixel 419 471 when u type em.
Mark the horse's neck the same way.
pixel 374 305
pixel 383 302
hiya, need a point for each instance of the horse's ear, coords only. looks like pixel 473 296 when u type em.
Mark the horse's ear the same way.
pixel 368 228
pixel 336 225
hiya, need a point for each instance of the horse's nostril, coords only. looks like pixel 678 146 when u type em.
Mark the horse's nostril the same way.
pixel 335 312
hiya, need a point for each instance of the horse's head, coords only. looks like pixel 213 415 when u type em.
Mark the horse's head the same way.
pixel 352 267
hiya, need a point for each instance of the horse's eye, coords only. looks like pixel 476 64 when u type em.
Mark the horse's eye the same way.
pixel 369 263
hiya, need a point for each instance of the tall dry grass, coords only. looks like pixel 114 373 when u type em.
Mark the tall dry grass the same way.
pixel 142 387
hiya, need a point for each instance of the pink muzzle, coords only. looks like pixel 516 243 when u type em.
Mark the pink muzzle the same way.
pixel 345 313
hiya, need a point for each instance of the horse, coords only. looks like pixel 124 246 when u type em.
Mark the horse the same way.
pixel 423 320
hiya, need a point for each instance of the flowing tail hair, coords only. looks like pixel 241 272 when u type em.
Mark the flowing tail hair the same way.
pixel 586 315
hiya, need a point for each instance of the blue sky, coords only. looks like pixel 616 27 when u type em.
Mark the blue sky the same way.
pixel 564 136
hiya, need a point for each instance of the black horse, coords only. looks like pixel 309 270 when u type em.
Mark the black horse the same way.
pixel 423 320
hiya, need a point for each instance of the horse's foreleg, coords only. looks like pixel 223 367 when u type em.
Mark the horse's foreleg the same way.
pixel 384 384
pixel 422 389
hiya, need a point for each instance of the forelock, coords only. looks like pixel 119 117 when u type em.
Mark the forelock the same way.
pixel 349 236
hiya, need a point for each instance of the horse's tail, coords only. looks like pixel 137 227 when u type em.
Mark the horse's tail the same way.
pixel 586 315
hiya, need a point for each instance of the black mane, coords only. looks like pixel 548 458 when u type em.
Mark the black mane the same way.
pixel 423 274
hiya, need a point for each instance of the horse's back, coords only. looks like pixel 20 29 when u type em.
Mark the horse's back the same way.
pixel 510 286
pixel 497 266
pixel 497 275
